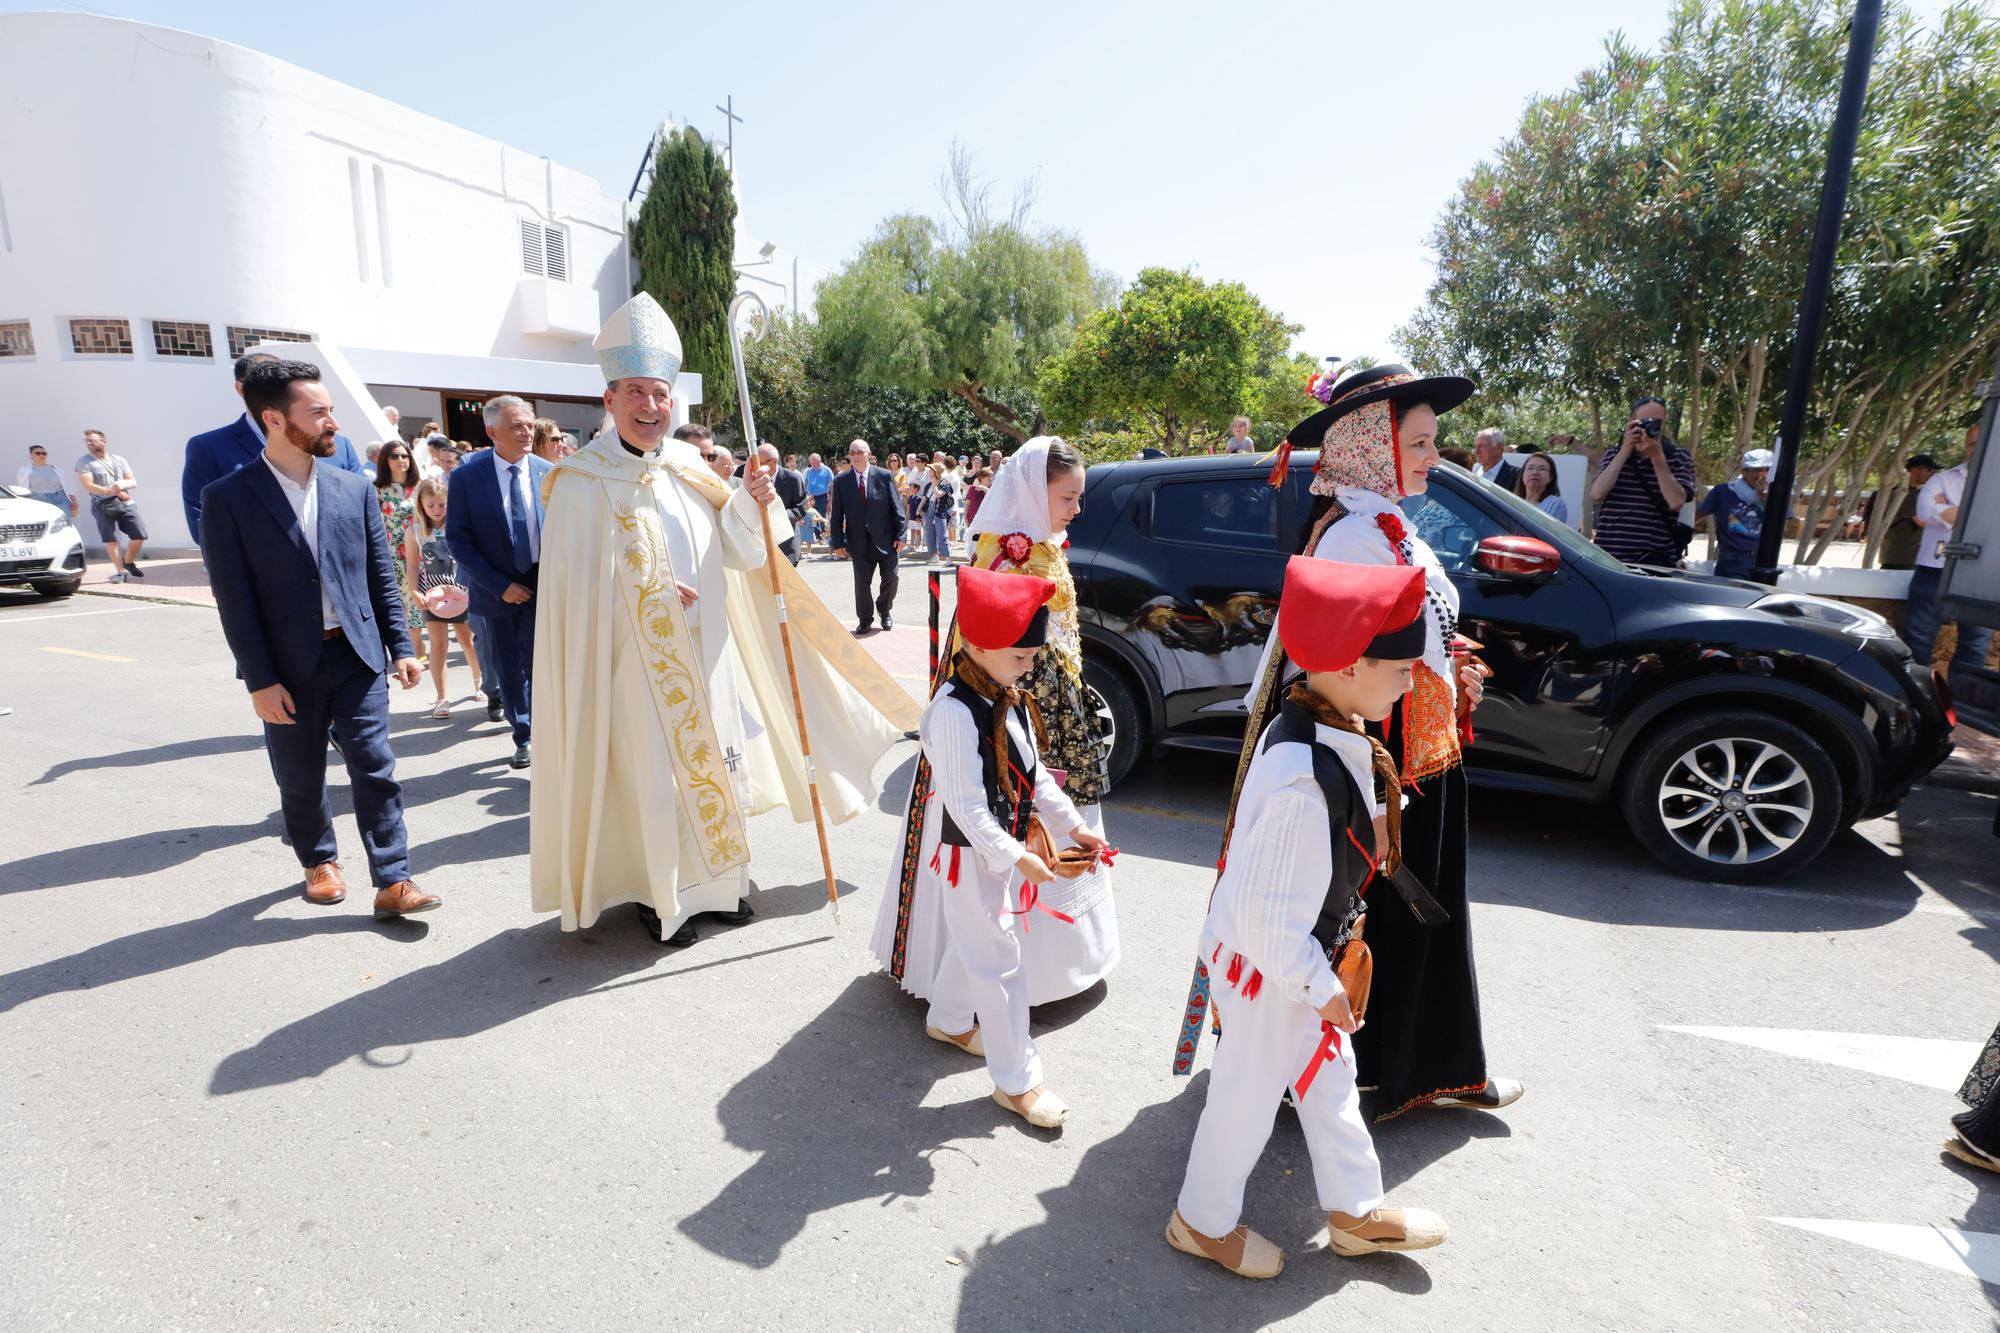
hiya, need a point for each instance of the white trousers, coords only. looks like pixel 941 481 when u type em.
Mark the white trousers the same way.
pixel 981 977
pixel 1266 1044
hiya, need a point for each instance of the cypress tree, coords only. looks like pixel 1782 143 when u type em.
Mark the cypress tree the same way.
pixel 685 242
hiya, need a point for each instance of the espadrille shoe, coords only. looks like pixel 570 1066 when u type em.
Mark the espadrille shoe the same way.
pixel 1385 1229
pixel 1038 1106
pixel 1243 1252
pixel 967 1041
pixel 1971 1154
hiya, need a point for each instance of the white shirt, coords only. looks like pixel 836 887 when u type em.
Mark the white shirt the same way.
pixel 951 743
pixel 506 480
pixel 1941 492
pixel 304 501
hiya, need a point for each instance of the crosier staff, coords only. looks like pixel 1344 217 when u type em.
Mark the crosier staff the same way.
pixel 771 558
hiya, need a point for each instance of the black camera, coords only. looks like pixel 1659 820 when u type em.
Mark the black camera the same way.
pixel 1650 425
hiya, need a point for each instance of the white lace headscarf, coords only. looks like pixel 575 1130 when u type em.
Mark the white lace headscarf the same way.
pixel 1019 499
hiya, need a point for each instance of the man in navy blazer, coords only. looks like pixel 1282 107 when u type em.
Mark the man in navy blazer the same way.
pixel 306 587
pixel 493 524
pixel 215 454
pixel 866 526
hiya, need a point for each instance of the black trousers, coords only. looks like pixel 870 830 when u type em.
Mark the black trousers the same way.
pixel 867 560
pixel 343 696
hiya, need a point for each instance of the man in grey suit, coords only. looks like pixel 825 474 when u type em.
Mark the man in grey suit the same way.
pixel 306 589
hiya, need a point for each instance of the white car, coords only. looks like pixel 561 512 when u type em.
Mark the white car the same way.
pixel 39 546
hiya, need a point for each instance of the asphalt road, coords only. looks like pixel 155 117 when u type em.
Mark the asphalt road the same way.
pixel 223 1108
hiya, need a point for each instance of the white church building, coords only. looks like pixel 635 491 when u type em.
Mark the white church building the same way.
pixel 204 198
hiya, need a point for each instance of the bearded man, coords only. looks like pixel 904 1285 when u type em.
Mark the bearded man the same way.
pixel 306 588
pixel 663 708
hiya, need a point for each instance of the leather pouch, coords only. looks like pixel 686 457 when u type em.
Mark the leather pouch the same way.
pixel 1355 966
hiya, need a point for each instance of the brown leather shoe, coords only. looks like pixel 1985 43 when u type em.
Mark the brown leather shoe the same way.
pixel 403 898
pixel 324 884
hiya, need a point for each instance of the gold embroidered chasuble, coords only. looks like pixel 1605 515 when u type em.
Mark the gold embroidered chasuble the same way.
pixel 659 729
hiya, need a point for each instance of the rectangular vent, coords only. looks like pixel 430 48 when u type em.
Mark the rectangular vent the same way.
pixel 175 338
pixel 101 337
pixel 243 337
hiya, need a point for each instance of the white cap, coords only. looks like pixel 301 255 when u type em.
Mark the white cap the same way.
pixel 1757 458
pixel 639 341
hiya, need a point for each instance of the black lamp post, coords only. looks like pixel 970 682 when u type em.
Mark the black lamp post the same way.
pixel 1819 278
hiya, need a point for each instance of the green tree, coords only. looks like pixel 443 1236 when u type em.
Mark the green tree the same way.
pixel 1647 230
pixel 970 304
pixel 1179 357
pixel 805 405
pixel 685 242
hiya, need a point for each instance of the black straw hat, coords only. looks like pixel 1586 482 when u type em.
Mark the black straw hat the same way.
pixel 1390 381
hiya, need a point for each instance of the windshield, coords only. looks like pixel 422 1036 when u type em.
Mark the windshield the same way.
pixel 1534 523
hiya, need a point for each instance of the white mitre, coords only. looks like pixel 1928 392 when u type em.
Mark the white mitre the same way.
pixel 639 341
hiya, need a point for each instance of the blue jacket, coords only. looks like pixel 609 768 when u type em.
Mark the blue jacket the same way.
pixel 267 585
pixel 214 454
pixel 874 519
pixel 475 528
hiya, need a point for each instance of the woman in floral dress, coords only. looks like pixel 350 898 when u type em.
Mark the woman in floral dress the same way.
pixel 396 488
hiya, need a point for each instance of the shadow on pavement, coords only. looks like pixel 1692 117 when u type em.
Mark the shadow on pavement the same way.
pixel 508 976
pixel 412 734
pixel 1102 1246
pixel 164 948
pixel 859 1134
pixel 1519 841
pixel 800 899
pixel 130 857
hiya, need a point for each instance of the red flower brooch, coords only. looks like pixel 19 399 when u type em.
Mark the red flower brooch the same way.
pixel 1392 528
pixel 1016 547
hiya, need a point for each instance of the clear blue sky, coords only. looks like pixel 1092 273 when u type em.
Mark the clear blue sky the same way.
pixel 1303 150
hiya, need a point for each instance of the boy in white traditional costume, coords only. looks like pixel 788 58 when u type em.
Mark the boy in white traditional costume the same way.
pixel 1310 838
pixel 980 735
pixel 663 708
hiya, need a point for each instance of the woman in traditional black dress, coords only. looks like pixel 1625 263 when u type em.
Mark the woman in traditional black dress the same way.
pixel 1423 1044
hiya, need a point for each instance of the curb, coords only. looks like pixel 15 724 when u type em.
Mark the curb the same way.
pixel 156 598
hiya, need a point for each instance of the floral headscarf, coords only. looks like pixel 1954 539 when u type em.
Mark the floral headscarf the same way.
pixel 1362 450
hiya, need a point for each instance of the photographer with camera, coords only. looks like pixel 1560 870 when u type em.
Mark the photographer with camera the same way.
pixel 1640 489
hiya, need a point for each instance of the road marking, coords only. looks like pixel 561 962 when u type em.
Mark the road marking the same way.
pixel 79 652
pixel 1927 1061
pixel 1969 1253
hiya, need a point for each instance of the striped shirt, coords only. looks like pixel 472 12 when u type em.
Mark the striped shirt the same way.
pixel 1634 521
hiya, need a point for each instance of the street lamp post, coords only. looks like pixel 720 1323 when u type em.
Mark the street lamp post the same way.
pixel 1819 278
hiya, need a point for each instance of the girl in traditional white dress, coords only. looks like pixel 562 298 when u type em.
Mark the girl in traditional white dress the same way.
pixel 1072 940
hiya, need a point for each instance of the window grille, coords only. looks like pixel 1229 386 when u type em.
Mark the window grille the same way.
pixel 101 337
pixel 17 338
pixel 177 338
pixel 242 337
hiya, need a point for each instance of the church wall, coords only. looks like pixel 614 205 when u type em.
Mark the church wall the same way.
pixel 148 174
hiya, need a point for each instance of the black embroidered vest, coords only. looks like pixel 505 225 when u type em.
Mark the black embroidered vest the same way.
pixel 1010 815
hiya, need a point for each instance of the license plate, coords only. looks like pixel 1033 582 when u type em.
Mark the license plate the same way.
pixel 17 552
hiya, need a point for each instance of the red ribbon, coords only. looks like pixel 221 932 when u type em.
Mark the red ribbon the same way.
pixel 1329 1048
pixel 1031 900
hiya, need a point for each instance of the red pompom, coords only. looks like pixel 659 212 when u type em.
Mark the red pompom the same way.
pixel 1392 527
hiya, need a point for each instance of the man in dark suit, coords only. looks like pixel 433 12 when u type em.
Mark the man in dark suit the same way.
pixel 306 588
pixel 215 454
pixel 493 524
pixel 1489 450
pixel 866 525
pixel 790 484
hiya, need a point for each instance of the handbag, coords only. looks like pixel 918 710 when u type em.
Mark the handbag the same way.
pixel 112 506
pixel 447 601
pixel 1354 964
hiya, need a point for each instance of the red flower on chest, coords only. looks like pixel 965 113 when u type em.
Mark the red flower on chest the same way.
pixel 1392 528
pixel 1016 547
